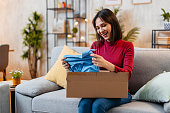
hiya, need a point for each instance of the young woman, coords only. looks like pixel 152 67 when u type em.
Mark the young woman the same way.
pixel 112 54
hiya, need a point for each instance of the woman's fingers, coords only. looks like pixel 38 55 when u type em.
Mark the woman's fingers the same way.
pixel 63 59
pixel 95 55
pixel 98 60
pixel 65 64
pixel 94 59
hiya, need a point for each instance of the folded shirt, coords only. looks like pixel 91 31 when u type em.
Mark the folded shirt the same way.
pixel 81 63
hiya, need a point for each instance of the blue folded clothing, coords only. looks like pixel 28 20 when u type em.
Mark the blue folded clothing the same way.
pixel 81 63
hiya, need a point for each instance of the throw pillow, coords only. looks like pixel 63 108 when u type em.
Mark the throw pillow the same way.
pixel 58 73
pixel 156 90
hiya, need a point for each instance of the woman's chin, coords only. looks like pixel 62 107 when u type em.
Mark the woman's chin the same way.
pixel 106 38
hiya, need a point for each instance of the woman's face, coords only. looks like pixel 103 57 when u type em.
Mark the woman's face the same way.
pixel 103 28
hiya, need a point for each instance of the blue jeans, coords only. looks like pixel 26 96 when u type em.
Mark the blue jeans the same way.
pixel 100 105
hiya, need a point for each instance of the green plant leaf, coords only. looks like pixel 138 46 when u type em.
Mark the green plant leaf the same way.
pixel 165 15
pixel 116 10
pixel 25 55
pixel 100 9
pixel 132 34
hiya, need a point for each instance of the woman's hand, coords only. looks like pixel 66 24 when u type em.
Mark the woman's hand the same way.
pixel 65 64
pixel 101 62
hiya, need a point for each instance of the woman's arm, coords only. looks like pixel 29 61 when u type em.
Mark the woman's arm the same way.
pixel 128 60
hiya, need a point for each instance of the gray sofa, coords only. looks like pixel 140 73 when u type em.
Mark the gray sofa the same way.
pixel 43 96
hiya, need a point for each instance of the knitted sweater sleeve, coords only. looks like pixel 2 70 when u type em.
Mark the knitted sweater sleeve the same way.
pixel 128 60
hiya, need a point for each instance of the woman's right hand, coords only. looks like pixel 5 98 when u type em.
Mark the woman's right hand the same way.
pixel 65 64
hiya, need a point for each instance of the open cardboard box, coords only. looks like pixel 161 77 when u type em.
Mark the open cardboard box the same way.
pixel 97 85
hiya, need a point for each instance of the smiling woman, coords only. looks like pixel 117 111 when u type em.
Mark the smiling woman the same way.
pixel 112 54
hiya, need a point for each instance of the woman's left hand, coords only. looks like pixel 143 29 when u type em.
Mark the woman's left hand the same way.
pixel 101 62
pixel 98 60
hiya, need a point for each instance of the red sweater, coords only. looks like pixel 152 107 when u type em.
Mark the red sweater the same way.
pixel 121 54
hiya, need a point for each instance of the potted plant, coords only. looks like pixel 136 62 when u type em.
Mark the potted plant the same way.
pixel 166 19
pixel 16 77
pixel 33 35
pixel 74 30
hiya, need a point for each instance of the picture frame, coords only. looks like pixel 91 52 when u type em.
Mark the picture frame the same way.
pixel 113 2
pixel 135 2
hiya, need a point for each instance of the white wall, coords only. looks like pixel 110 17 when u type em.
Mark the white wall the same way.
pixel 13 18
pixel 14 14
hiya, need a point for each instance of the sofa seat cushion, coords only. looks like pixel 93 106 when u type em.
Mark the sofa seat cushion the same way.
pixel 138 107
pixel 55 102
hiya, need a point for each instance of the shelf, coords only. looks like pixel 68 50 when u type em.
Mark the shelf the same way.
pixel 161 30
pixel 162 44
pixel 60 33
pixel 60 9
pixel 52 9
pixel 159 41
pixel 76 18
pixel 80 42
pixel 76 42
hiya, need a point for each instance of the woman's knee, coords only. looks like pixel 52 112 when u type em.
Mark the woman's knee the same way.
pixel 97 107
pixel 85 105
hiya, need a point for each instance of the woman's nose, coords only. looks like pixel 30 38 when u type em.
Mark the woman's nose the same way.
pixel 101 30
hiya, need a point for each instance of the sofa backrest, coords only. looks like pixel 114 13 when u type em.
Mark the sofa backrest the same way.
pixel 148 63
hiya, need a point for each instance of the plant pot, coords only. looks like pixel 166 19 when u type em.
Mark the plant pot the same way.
pixel 167 25
pixel 16 81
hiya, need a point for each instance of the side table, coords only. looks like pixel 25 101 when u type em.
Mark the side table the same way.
pixel 154 38
pixel 12 94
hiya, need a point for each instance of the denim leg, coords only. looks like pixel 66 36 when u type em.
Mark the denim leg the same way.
pixel 85 105
pixel 101 105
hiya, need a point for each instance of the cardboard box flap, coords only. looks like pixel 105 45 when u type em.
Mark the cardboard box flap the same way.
pixel 98 76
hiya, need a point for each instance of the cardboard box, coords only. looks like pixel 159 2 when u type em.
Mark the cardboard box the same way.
pixel 97 85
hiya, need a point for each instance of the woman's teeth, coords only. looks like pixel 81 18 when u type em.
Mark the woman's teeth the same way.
pixel 105 34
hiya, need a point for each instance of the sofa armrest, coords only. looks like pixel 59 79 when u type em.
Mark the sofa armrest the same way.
pixel 36 87
pixel 167 107
pixel 4 98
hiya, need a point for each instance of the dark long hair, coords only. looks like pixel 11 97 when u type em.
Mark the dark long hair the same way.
pixel 108 16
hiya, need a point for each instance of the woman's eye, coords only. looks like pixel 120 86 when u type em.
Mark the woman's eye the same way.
pixel 103 25
pixel 97 28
